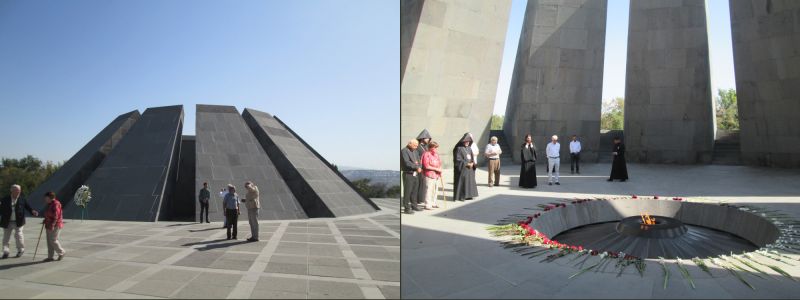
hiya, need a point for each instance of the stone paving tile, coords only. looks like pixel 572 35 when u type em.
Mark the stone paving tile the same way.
pixel 217 279
pixel 151 287
pixel 204 291
pixel 173 275
pixel 380 270
pixel 58 277
pixel 324 250
pixel 292 248
pixel 90 266
pixel 334 290
pixel 13 292
pixel 375 252
pixel 114 239
pixel 366 232
pixel 377 241
pixel 294 285
pixel 390 292
pixel 97 282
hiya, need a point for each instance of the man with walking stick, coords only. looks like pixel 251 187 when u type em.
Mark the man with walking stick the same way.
pixel 53 222
pixel 12 218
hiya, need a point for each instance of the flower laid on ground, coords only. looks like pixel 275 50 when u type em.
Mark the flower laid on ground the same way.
pixel 584 270
pixel 685 272
pixel 732 271
pixel 729 260
pixel 634 197
pixel 655 197
pixel 664 268
pixel 773 267
pixel 677 199
pixel 702 265
pixel 749 265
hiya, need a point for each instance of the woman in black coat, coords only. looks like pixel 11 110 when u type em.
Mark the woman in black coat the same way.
pixel 527 173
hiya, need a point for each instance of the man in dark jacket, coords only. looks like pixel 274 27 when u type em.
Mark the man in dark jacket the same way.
pixel 12 218
pixel 411 166
pixel 203 198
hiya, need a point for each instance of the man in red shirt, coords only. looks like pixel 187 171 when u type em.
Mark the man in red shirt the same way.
pixel 53 222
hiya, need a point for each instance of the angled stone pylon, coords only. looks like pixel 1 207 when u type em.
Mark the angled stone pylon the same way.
pixel 66 181
pixel 557 84
pixel 669 117
pixel 320 189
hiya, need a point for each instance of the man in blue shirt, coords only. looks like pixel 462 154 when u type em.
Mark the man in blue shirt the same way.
pixel 231 204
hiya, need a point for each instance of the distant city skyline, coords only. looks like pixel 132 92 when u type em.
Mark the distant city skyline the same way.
pixel 719 40
pixel 67 68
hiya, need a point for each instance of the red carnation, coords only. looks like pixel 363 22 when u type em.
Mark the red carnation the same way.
pixel 634 196
pixel 655 197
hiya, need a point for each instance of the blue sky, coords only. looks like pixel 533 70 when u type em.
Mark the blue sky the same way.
pixel 329 69
pixel 720 47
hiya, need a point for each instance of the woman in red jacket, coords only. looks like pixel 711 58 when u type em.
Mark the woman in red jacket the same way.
pixel 53 222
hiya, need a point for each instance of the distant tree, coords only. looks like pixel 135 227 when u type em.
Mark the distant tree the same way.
pixel 727 109
pixel 335 167
pixel 366 188
pixel 497 122
pixel 28 172
pixel 393 192
pixel 613 114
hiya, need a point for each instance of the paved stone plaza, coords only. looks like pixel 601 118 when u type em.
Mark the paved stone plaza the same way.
pixel 448 253
pixel 346 257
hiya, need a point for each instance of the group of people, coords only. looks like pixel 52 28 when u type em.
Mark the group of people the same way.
pixel 422 173
pixel 527 177
pixel 422 169
pixel 12 219
pixel 230 206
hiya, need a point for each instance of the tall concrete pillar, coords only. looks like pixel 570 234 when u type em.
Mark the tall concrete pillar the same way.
pixel 669 117
pixel 766 54
pixel 450 77
pixel 558 75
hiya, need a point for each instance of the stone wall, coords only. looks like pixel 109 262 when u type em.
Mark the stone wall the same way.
pixel 450 78
pixel 766 52
pixel 558 76
pixel 669 116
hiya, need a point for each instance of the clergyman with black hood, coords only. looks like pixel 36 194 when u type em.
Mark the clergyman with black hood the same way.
pixel 464 186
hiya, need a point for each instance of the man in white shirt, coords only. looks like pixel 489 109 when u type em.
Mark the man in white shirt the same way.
pixel 574 155
pixel 553 159
pixel 492 153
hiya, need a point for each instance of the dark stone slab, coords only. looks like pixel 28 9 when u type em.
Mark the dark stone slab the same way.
pixel 132 182
pixel 77 169
pixel 181 205
pixel 321 190
pixel 228 153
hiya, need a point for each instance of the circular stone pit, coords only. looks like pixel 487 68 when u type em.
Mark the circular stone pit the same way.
pixel 683 229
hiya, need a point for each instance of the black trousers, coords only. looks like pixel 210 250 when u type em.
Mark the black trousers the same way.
pixel 410 190
pixel 574 162
pixel 203 208
pixel 233 217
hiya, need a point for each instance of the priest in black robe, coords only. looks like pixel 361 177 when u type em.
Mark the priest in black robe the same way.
pixel 527 173
pixel 423 138
pixel 464 187
pixel 618 168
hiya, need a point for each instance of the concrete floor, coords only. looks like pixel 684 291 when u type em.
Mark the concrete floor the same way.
pixel 351 257
pixel 447 253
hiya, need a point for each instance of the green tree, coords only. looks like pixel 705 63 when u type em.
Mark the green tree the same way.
pixel 727 109
pixel 497 122
pixel 28 172
pixel 613 114
pixel 393 192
